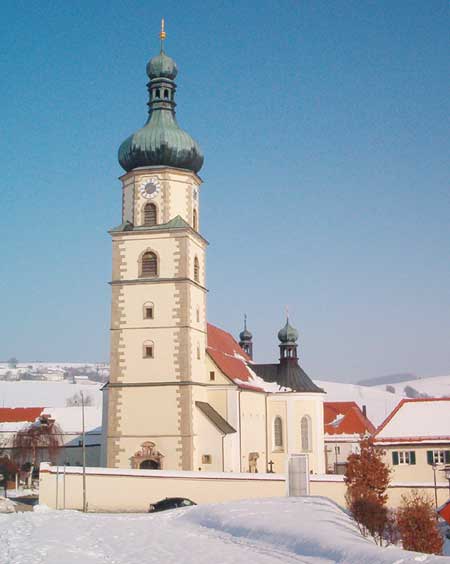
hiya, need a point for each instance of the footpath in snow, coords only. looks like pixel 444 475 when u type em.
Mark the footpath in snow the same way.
pixel 307 530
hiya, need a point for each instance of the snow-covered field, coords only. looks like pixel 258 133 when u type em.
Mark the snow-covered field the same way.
pixel 282 531
pixel 378 402
pixel 436 386
pixel 41 394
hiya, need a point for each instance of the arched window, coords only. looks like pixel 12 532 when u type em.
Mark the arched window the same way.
pixel 148 349
pixel 166 94
pixel 197 315
pixel 194 220
pixel 149 265
pixel 305 427
pixel 149 214
pixel 196 270
pixel 198 352
pixel 278 433
pixel 158 93
pixel 149 310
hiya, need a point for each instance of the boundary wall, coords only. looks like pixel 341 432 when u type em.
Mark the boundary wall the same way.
pixel 120 490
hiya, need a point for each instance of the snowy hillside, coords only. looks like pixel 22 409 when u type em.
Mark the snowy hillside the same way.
pixel 435 386
pixel 379 403
pixel 272 531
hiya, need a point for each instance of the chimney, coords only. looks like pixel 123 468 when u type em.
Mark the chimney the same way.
pixel 364 410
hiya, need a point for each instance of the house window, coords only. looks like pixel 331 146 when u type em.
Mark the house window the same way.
pixel 206 459
pixel 149 214
pixel 212 375
pixel 149 265
pixel 196 270
pixel 305 428
pixel 438 456
pixel 278 433
pixel 403 457
pixel 148 310
pixel 148 349
pixel 194 219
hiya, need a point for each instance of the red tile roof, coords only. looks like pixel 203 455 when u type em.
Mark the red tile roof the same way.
pixel 19 414
pixel 229 357
pixel 345 418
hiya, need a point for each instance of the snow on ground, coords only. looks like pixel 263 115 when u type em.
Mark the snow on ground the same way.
pixel 435 386
pixel 36 394
pixel 275 531
pixel 379 403
pixel 6 505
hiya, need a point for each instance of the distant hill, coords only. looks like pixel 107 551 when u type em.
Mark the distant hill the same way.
pixel 389 379
pixel 433 386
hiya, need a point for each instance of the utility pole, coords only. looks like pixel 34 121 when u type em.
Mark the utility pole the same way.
pixel 83 446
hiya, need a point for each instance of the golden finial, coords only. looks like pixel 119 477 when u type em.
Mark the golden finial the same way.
pixel 162 33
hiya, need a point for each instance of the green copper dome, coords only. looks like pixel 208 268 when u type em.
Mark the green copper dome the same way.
pixel 245 335
pixel 162 66
pixel 161 142
pixel 288 334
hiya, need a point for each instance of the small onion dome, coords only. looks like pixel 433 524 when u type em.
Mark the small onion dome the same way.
pixel 162 66
pixel 288 334
pixel 161 142
pixel 245 335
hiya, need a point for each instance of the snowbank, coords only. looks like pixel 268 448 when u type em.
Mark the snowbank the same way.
pixel 6 505
pixel 271 531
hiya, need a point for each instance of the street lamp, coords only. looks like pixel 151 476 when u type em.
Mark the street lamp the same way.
pixel 446 471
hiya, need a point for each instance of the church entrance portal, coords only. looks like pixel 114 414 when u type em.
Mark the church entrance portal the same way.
pixel 150 465
pixel 147 457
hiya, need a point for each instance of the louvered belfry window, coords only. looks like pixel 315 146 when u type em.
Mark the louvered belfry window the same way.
pixel 149 215
pixel 149 265
pixel 196 270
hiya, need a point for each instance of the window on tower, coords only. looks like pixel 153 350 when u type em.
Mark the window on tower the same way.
pixel 150 214
pixel 148 349
pixel 149 265
pixel 149 310
pixel 194 220
pixel 196 270
pixel 166 94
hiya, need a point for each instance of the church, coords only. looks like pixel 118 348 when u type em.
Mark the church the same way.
pixel 184 394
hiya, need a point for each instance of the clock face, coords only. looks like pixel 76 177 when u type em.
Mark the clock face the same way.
pixel 150 188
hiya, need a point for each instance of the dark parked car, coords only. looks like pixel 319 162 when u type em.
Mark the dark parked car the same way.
pixel 170 503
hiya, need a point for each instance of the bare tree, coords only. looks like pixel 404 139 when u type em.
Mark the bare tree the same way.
pixel 38 441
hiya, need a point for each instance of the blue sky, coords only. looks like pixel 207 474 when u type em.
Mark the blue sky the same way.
pixel 325 132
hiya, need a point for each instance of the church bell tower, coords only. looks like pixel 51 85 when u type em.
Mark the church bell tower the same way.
pixel 158 311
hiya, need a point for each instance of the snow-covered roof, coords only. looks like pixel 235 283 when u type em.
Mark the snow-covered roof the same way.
pixel 68 419
pixel 379 403
pixel 233 361
pixel 417 420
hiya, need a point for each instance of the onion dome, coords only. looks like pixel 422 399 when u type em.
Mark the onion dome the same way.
pixel 288 334
pixel 245 335
pixel 162 66
pixel 161 142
